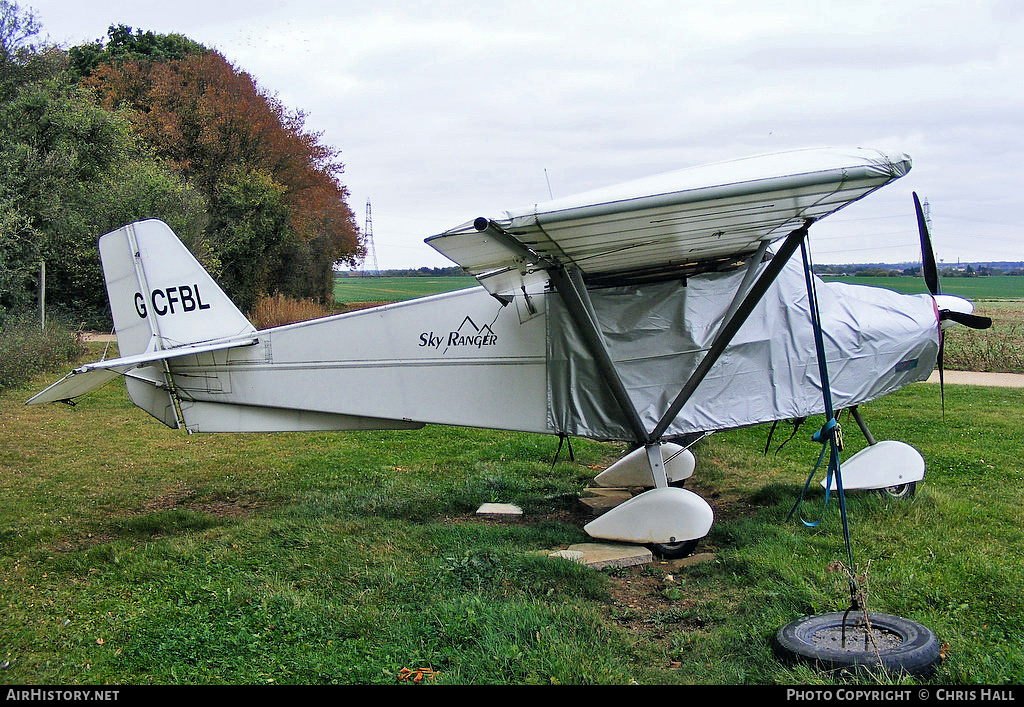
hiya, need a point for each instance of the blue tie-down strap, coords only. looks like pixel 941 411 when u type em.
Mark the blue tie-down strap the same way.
pixel 826 436
pixel 827 428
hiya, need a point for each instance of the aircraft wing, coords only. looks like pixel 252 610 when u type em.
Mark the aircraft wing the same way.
pixel 689 220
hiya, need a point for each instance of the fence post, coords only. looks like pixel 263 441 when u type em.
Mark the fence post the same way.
pixel 42 295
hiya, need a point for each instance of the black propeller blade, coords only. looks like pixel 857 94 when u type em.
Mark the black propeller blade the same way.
pixel 973 321
pixel 931 274
pixel 931 280
pixel 928 268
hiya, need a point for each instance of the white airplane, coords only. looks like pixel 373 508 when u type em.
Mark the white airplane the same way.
pixel 651 312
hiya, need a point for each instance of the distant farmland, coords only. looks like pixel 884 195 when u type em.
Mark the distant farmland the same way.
pixel 973 288
pixel 365 290
pixel 362 290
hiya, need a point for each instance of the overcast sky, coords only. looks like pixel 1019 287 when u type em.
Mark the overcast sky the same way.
pixel 445 111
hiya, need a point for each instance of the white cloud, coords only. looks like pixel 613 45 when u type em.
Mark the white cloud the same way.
pixel 448 110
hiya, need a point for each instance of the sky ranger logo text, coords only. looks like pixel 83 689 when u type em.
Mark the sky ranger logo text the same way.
pixel 468 335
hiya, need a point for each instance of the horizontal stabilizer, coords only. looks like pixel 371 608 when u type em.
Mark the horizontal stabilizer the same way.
pixel 91 376
pixel 73 385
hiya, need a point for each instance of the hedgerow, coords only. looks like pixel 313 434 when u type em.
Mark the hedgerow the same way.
pixel 27 348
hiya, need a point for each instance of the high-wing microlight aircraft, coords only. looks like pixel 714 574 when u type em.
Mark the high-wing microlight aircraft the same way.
pixel 652 312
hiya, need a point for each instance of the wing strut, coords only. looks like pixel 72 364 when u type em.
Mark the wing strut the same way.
pixel 568 282
pixel 573 292
pixel 748 277
pixel 570 287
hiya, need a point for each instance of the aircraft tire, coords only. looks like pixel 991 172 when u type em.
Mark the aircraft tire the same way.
pixel 902 492
pixel 672 551
pixel 908 646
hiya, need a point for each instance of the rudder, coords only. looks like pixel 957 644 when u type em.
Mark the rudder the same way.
pixel 161 298
pixel 160 295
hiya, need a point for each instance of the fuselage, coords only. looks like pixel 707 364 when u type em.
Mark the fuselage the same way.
pixel 467 359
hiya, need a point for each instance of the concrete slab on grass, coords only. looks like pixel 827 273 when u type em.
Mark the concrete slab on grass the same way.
pixel 601 555
pixel 499 509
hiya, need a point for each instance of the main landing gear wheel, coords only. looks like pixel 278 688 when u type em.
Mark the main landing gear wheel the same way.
pixel 672 551
pixel 900 492
pixel 896 645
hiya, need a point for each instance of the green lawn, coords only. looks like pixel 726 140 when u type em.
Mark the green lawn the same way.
pixel 132 554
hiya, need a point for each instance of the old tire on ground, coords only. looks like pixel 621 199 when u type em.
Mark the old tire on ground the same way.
pixel 898 645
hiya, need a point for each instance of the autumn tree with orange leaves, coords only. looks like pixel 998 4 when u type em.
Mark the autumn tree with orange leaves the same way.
pixel 278 212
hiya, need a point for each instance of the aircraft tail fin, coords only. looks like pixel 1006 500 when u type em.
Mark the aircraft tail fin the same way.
pixel 160 296
pixel 165 305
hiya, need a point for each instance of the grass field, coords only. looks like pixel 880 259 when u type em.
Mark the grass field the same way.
pixel 998 349
pixel 972 288
pixel 376 290
pixel 392 289
pixel 132 554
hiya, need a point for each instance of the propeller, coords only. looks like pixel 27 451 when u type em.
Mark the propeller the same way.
pixel 954 309
pixel 973 321
pixel 951 309
pixel 928 268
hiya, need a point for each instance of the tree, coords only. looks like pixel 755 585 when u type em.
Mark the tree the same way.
pixel 156 126
pixel 20 59
pixel 19 259
pixel 17 26
pixel 142 187
pixel 250 233
pixel 125 45
pixel 56 145
pixel 208 120
pixel 70 171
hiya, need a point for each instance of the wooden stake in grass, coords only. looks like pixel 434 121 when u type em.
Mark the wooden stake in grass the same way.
pixel 859 599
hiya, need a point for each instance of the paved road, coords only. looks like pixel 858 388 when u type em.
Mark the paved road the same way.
pixel 999 380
